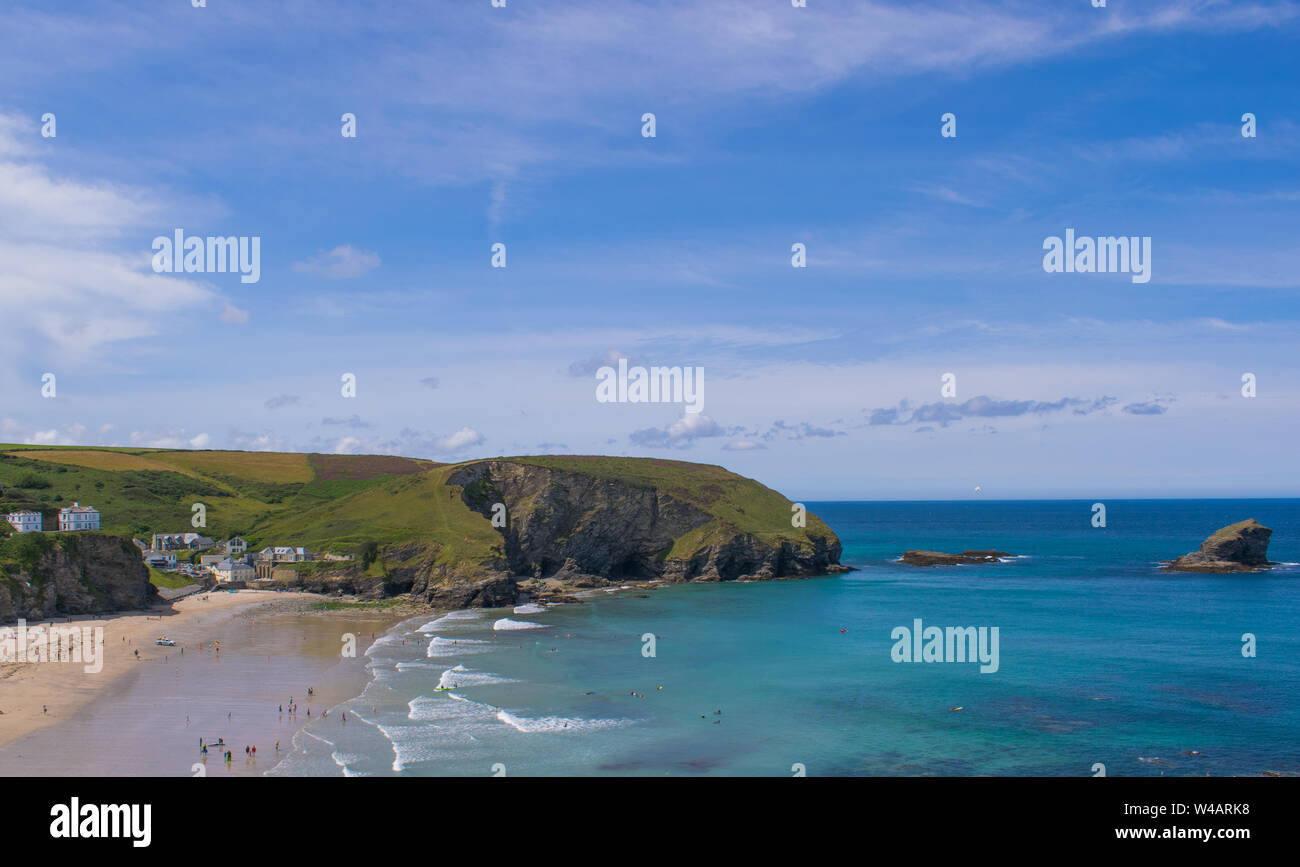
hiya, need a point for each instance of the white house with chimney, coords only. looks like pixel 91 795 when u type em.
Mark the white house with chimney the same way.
pixel 78 517
pixel 25 522
pixel 284 554
pixel 228 571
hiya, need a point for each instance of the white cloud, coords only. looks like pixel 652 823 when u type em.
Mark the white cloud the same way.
pixel 65 290
pixel 251 442
pixel 742 445
pixel 232 315
pixel 169 438
pixel 346 446
pixel 339 263
pixel 461 439
pixel 680 434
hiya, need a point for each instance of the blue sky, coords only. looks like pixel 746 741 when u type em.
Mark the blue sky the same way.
pixel 775 125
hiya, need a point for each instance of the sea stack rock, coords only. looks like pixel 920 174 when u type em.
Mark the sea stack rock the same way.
pixel 939 558
pixel 1240 547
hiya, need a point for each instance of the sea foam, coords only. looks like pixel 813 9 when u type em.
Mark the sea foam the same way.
pixel 507 623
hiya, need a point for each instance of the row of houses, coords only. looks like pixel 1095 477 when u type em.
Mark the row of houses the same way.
pixel 234 565
pixel 161 552
pixel 72 519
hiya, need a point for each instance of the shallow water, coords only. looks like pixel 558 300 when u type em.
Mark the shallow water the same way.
pixel 1102 659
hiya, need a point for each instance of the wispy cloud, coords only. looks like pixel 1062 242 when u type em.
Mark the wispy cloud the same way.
pixel 339 264
pixel 282 400
pixel 945 413
pixel 681 434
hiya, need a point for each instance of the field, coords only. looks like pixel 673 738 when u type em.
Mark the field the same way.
pixel 144 491
pixel 351 503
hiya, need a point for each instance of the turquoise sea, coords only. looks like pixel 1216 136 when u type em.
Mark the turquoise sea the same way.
pixel 1103 660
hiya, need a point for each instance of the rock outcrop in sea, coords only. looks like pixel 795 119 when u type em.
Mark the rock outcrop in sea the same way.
pixel 939 558
pixel 1239 547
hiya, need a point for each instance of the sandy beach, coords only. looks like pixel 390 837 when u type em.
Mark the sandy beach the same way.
pixel 145 715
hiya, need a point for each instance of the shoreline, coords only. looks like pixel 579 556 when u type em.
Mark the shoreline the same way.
pixel 145 710
pixel 66 687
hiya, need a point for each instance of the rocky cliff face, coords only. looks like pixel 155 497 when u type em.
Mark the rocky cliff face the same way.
pixel 77 574
pixel 1240 547
pixel 569 530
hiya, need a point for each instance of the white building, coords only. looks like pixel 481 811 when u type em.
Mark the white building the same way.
pixel 283 554
pixel 236 547
pixel 231 570
pixel 25 522
pixel 78 517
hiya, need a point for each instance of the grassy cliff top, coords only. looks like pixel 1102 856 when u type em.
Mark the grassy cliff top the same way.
pixel 344 502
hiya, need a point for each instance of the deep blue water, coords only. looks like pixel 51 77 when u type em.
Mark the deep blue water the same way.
pixel 1102 659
